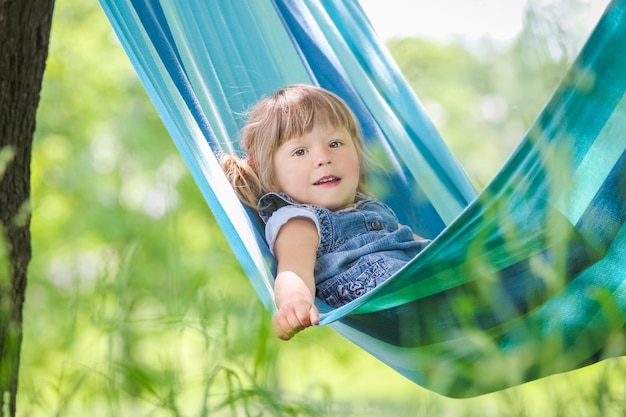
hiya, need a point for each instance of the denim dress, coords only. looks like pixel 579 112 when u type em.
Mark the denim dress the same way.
pixel 360 247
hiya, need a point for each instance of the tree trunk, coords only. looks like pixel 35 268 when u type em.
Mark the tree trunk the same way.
pixel 24 36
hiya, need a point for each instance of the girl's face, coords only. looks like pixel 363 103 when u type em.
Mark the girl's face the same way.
pixel 319 168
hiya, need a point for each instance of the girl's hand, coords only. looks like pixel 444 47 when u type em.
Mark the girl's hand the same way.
pixel 294 316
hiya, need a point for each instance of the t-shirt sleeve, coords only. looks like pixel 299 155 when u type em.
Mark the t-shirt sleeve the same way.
pixel 281 216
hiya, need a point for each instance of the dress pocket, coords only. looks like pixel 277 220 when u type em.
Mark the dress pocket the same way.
pixel 365 275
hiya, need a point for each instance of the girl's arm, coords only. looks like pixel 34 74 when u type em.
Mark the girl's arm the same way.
pixel 294 290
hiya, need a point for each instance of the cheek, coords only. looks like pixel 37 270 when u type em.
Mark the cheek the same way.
pixel 273 177
pixel 276 170
pixel 280 176
pixel 358 163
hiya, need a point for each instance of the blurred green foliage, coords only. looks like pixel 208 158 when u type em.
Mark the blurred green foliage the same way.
pixel 483 97
pixel 136 305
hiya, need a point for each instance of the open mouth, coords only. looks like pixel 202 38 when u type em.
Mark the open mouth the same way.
pixel 327 180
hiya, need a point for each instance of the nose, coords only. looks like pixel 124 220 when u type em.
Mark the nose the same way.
pixel 322 157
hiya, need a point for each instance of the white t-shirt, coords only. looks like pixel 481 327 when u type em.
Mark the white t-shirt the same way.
pixel 282 216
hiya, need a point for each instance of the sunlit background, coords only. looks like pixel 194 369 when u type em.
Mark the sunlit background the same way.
pixel 511 42
pixel 470 21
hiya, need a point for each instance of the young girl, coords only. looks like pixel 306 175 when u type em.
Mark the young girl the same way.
pixel 305 173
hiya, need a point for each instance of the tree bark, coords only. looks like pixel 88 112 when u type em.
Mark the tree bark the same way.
pixel 24 36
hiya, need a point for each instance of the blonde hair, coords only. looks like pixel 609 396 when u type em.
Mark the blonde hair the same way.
pixel 291 112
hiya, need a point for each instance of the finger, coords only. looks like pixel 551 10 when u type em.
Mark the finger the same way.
pixel 293 318
pixel 303 316
pixel 287 324
pixel 297 314
pixel 281 331
pixel 314 317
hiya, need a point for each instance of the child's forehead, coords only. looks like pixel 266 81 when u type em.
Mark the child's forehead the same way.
pixel 323 128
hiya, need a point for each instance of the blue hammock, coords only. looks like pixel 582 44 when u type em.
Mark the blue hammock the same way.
pixel 522 280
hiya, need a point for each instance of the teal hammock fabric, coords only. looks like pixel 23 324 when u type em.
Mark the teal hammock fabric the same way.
pixel 522 280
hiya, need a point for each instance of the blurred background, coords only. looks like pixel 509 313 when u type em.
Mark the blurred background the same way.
pixel 137 307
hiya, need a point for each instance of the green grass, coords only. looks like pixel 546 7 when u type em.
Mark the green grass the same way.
pixel 111 350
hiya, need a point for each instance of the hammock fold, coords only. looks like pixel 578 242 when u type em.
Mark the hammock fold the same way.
pixel 522 280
